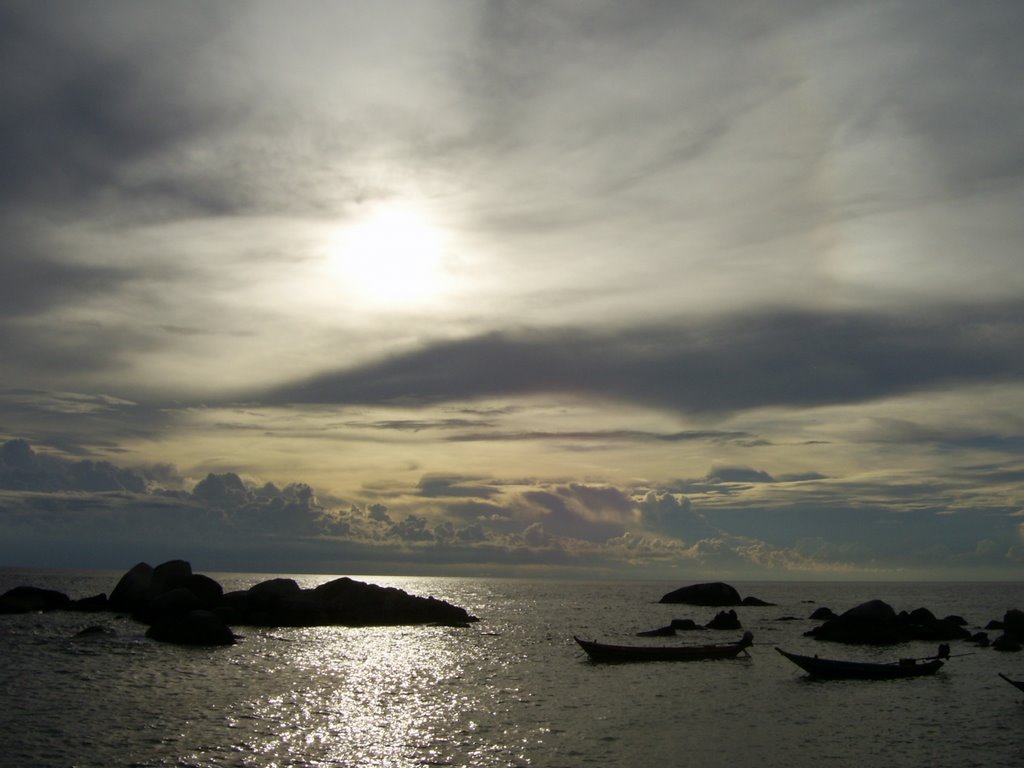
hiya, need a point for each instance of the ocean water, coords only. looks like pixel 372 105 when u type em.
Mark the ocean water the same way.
pixel 511 690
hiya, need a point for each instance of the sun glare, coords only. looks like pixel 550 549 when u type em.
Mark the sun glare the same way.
pixel 393 256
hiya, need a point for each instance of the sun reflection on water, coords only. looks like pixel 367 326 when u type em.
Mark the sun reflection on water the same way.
pixel 377 696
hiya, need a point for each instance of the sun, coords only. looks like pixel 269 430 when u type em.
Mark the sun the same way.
pixel 393 256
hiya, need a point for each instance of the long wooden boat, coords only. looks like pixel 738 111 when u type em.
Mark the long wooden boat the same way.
pixel 833 669
pixel 1015 683
pixel 617 653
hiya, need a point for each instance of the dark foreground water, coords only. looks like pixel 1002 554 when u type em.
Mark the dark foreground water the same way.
pixel 512 690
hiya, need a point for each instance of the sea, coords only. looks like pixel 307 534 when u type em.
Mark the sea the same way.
pixel 513 689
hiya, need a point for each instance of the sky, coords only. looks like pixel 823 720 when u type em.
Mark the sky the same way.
pixel 685 290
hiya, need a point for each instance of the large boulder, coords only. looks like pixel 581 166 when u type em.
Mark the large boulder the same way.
pixel 714 594
pixel 192 628
pixel 1013 624
pixel 355 603
pixel 32 600
pixel 132 590
pixel 871 623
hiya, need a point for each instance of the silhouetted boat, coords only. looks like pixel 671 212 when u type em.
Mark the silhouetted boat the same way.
pixel 1015 683
pixel 863 670
pixel 610 653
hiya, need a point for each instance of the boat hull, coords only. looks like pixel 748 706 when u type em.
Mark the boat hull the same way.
pixel 831 669
pixel 603 652
pixel 1018 684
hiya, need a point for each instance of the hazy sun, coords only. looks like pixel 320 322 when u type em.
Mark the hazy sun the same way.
pixel 393 256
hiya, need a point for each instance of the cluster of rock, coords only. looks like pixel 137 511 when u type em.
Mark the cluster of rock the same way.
pixel 712 594
pixel 190 608
pixel 722 620
pixel 877 623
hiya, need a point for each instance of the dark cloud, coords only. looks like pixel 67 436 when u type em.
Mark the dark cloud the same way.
pixel 455 486
pixel 798 359
pixel 673 515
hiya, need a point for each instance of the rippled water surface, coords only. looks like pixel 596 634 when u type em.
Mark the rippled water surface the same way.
pixel 512 690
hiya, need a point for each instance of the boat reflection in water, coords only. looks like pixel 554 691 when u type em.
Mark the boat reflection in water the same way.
pixel 604 652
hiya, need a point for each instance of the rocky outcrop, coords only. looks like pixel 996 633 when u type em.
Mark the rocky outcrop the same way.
pixel 876 623
pixel 192 628
pixel 32 600
pixel 668 631
pixel 342 602
pixel 822 614
pixel 185 607
pixel 725 620
pixel 715 594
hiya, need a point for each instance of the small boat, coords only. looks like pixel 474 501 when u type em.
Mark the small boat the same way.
pixel 612 653
pixel 1015 683
pixel 832 669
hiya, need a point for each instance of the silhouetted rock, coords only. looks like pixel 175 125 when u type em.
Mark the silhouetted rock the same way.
pixel 131 591
pixel 685 624
pixel 960 621
pixel 90 604
pixel 725 620
pixel 823 614
pixel 1007 643
pixel 873 622
pixel 1013 624
pixel 96 630
pixel 922 625
pixel 659 632
pixel 755 602
pixel 166 596
pixel 193 628
pixel 355 603
pixel 714 594
pixel 32 600
pixel 173 574
pixel 980 639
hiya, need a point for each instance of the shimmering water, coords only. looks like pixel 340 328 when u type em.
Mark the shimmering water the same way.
pixel 512 690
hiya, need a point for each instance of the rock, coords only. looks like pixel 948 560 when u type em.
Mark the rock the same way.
pixel 921 624
pixel 823 614
pixel 90 604
pixel 714 594
pixel 354 603
pixel 193 628
pixel 1013 624
pixel 872 623
pixel 132 590
pixel 685 624
pixel 668 631
pixel 209 591
pixel 756 602
pixel 32 600
pixel 174 574
pixel 96 630
pixel 725 620
pixel 1007 643
pixel 980 639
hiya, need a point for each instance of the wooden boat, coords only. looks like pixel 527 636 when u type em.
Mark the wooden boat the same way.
pixel 1019 684
pixel 861 670
pixel 617 653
